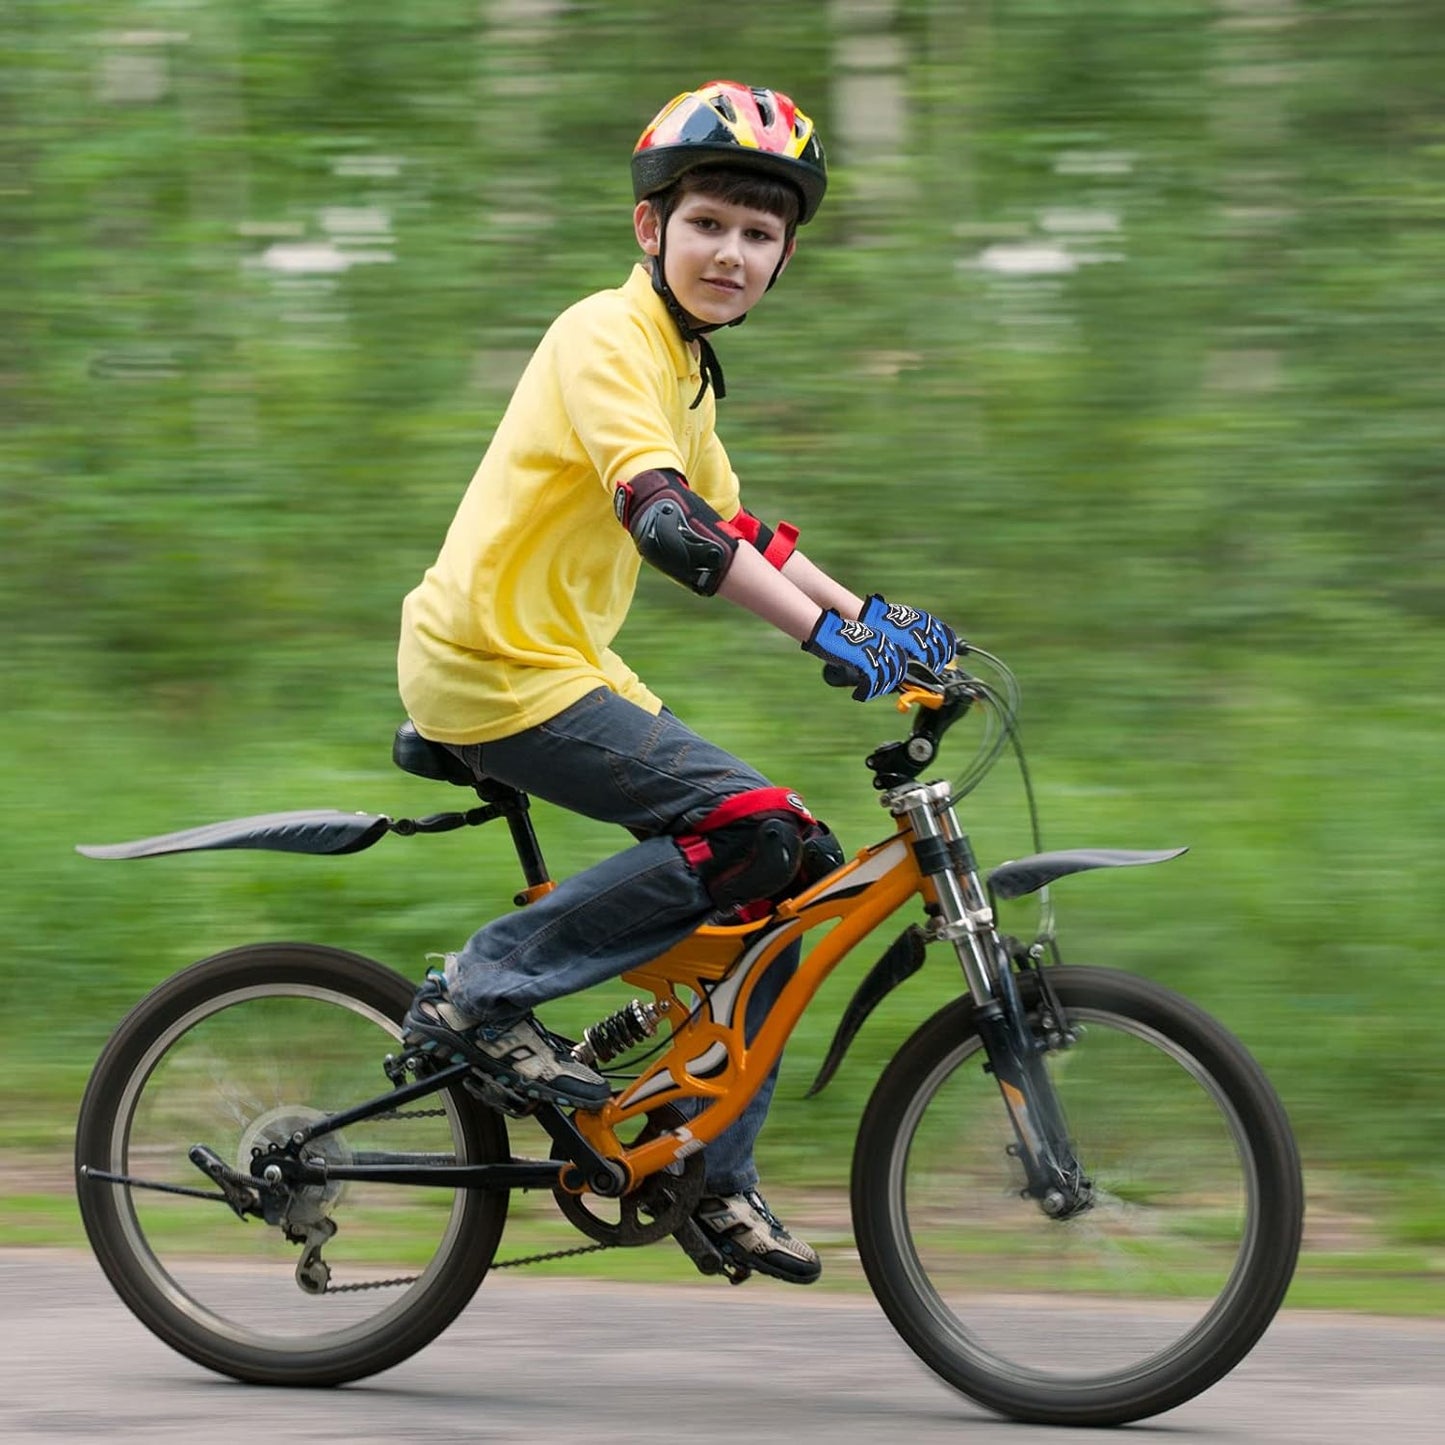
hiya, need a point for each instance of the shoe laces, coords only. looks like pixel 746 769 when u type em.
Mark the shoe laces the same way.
pixel 761 1206
pixel 560 1045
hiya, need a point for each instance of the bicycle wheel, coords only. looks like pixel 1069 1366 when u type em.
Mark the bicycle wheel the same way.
pixel 238 1051
pixel 1129 1308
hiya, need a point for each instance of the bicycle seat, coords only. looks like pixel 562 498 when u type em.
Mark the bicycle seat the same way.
pixel 415 754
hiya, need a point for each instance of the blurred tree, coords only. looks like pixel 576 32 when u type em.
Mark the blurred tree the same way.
pixel 1116 342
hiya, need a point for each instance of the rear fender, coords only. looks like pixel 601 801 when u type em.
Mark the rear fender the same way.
pixel 311 830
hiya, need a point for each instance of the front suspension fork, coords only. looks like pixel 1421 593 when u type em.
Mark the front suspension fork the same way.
pixel 1016 1056
pixel 1017 1060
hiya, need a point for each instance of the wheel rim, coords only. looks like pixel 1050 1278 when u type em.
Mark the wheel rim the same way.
pixel 231 1072
pixel 1120 1291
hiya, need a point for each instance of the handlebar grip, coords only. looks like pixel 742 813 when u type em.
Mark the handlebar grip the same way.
pixel 836 675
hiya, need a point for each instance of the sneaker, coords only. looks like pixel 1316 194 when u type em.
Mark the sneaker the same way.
pixel 522 1055
pixel 744 1230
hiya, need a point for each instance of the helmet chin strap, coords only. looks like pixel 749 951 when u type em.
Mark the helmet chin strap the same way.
pixel 691 328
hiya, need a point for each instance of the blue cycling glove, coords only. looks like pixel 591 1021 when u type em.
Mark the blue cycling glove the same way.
pixel 931 642
pixel 857 656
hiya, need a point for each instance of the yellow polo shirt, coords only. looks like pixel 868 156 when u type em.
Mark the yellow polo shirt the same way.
pixel 515 619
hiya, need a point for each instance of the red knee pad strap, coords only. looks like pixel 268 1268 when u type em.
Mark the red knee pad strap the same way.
pixel 756 800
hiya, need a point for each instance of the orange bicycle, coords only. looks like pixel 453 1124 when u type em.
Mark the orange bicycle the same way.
pixel 1074 1194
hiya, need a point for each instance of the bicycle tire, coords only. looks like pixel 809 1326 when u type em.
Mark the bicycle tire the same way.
pixel 1031 1317
pixel 165 1072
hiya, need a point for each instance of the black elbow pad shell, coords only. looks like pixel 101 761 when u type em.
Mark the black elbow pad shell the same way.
pixel 676 531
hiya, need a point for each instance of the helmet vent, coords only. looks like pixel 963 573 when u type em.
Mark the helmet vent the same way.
pixel 724 106
pixel 765 106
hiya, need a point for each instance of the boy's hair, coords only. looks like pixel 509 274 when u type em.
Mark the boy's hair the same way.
pixel 736 186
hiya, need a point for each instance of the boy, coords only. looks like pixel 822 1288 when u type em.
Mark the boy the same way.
pixel 607 457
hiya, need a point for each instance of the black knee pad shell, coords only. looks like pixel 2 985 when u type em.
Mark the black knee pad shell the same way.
pixel 758 847
pixel 751 860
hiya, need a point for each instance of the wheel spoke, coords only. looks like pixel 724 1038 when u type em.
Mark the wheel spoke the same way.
pixel 1087 1318
pixel 239 1054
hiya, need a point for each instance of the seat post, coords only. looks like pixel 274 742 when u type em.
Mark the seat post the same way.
pixel 515 807
pixel 529 851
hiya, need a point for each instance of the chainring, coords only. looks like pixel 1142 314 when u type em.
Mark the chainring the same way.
pixel 660 1204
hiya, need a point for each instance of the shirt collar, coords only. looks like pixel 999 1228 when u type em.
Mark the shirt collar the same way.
pixel 638 290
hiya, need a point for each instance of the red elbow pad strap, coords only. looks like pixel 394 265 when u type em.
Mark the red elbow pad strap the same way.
pixel 785 540
pixel 745 527
pixel 776 544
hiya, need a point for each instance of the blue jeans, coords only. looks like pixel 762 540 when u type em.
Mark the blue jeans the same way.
pixel 611 760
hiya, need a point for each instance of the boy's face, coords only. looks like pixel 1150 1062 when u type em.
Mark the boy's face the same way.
pixel 720 256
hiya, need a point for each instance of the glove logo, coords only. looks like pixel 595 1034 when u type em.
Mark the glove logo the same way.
pixel 901 616
pixel 856 633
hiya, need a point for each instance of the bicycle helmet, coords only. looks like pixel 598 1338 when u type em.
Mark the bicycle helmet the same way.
pixel 724 122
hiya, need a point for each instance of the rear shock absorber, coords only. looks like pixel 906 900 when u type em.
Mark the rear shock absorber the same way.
pixel 617 1033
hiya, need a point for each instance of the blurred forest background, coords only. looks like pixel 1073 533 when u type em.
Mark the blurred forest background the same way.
pixel 1117 343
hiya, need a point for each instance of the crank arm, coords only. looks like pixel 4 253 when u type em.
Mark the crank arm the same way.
pixel 585 1167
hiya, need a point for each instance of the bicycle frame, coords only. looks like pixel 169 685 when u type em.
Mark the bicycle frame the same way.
pixel 708 1057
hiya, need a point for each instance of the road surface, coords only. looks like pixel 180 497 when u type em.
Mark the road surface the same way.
pixel 543 1360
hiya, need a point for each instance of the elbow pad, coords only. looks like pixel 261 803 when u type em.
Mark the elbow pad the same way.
pixel 675 530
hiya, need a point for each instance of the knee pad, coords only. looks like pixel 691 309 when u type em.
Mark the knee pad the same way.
pixel 822 855
pixel 750 850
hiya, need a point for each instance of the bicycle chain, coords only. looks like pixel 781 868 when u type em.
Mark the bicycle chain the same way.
pixel 555 1254
pixel 371 1284
pixel 496 1264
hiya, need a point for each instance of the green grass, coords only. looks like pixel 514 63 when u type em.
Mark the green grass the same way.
pixel 1382 1280
pixel 1264 782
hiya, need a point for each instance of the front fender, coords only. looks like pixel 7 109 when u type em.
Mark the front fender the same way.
pixel 902 960
pixel 1028 875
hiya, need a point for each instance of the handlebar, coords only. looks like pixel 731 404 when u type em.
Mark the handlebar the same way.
pixel 921 688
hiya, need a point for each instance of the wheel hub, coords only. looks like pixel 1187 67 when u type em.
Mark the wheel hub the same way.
pixel 271 1133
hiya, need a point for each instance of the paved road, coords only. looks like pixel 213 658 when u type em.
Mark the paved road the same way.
pixel 540 1360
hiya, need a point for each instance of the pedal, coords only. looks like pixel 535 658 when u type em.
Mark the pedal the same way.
pixel 705 1255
